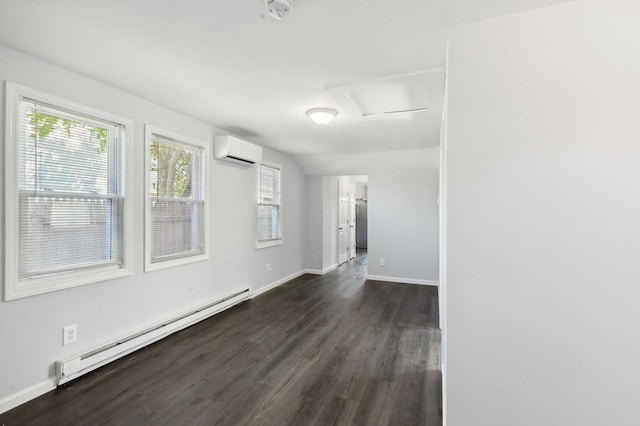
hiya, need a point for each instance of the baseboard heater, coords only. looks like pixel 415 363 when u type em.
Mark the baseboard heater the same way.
pixel 72 368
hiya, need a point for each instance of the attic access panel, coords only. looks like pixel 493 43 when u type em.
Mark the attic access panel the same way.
pixel 393 95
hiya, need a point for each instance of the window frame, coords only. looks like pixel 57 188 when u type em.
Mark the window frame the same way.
pixel 16 288
pixel 279 241
pixel 151 130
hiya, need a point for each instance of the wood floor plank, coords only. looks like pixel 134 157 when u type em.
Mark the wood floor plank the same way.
pixel 318 350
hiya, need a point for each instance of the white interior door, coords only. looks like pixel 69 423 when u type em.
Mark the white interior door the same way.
pixel 352 222
pixel 343 223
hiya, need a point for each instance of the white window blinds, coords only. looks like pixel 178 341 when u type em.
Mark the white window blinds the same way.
pixel 269 203
pixel 70 190
pixel 176 199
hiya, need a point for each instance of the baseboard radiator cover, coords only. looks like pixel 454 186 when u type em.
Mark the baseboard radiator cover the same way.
pixel 78 365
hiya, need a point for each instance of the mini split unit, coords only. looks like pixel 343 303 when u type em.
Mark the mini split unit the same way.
pixel 236 150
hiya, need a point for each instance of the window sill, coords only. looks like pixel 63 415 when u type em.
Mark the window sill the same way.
pixel 149 266
pixel 35 286
pixel 265 244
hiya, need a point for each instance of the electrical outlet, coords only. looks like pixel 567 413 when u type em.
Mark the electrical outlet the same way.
pixel 382 261
pixel 268 268
pixel 69 334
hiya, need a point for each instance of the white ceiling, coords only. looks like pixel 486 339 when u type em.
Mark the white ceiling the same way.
pixel 228 64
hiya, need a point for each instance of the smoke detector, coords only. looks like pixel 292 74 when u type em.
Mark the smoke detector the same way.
pixel 278 9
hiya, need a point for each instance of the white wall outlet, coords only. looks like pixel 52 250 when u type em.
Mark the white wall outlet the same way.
pixel 382 261
pixel 69 334
pixel 268 268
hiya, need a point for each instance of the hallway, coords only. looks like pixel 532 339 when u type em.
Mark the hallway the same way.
pixel 332 349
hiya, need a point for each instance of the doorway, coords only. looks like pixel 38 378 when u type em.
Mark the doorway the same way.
pixel 352 217
pixel 344 221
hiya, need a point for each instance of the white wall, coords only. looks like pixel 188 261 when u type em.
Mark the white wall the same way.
pixel 544 217
pixel 403 188
pixel 322 223
pixel 442 247
pixel 288 258
pixel 330 228
pixel 315 223
pixel 369 162
pixel 361 189
pixel 31 328
pixel 405 178
pixel 403 225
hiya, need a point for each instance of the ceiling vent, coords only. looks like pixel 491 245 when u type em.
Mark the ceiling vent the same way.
pixel 278 9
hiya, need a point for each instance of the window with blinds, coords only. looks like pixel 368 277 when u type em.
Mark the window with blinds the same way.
pixel 269 205
pixel 176 201
pixel 69 181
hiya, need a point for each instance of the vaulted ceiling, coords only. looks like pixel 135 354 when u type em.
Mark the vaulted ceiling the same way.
pixel 231 65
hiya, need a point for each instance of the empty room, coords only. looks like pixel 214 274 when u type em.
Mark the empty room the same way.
pixel 304 212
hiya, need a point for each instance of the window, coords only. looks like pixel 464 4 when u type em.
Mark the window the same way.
pixel 176 213
pixel 269 205
pixel 66 210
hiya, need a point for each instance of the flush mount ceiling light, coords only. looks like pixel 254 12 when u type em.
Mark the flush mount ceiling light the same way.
pixel 321 115
pixel 278 9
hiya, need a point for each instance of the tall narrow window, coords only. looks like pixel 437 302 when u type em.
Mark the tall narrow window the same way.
pixel 269 205
pixel 65 194
pixel 176 199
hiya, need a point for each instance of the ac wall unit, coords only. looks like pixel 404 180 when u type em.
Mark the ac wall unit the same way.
pixel 233 149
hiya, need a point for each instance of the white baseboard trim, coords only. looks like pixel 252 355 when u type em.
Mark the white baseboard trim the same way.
pixel 321 272
pixel 261 290
pixel 18 398
pixel 401 280
pixel 330 268
pixel 82 363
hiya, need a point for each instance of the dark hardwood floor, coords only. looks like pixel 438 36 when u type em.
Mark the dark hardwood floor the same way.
pixel 318 350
